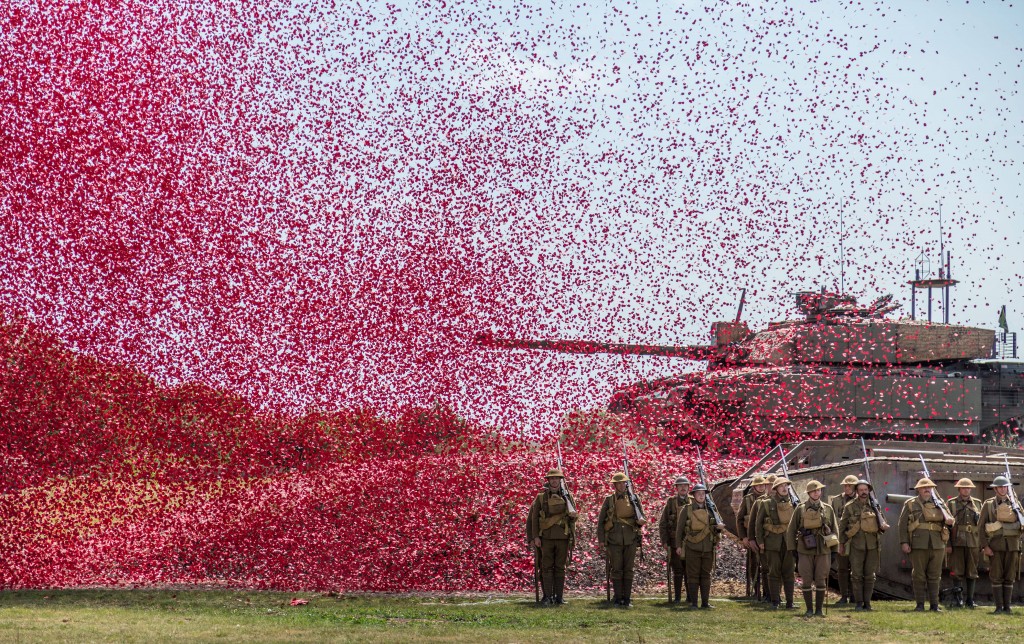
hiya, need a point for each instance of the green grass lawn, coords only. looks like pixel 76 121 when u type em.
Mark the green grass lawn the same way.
pixel 228 616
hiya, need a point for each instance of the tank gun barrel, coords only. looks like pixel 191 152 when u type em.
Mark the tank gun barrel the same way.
pixel 688 352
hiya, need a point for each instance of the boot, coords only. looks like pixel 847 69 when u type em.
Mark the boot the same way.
pixel 844 590
pixel 933 596
pixel 1007 598
pixel 547 584
pixel 773 593
pixel 617 589
pixel 691 594
pixel 919 608
pixel 997 598
pixel 934 607
pixel 559 587
pixel 969 593
pixel 677 582
pixel 627 592
pixel 789 586
pixel 705 594
pixel 869 590
pixel 819 601
pixel 808 604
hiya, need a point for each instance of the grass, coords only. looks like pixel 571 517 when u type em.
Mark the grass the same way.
pixel 230 616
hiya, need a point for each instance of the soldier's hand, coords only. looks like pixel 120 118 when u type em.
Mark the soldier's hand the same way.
pixel 761 547
pixel 949 550
pixel 906 548
pixel 573 515
pixel 679 551
pixel 987 551
pixel 641 522
pixel 842 550
pixel 949 521
pixel 536 541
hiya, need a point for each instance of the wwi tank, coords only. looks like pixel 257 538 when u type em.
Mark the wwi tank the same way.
pixel 840 368
pixel 895 467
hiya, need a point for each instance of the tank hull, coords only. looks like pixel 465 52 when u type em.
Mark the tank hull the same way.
pixel 895 468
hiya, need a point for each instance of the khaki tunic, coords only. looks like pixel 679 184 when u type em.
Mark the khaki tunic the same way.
pixel 696 531
pixel 965 539
pixel 859 532
pixel 818 519
pixel 667 531
pixel 1004 540
pixel 770 525
pixel 619 534
pixel 927 543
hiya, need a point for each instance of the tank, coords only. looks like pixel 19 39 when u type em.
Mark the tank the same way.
pixel 840 368
pixel 895 467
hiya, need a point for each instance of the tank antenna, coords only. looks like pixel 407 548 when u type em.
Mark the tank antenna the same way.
pixel 842 251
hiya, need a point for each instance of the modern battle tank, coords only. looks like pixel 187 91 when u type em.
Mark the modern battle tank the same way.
pixel 839 369
pixel 894 466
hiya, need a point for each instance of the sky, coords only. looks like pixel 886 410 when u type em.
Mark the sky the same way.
pixel 319 204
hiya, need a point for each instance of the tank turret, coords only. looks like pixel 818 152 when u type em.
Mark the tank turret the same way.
pixel 839 368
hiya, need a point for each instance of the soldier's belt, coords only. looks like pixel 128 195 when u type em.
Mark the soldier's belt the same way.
pixel 930 526
pixel 775 529
pixel 969 529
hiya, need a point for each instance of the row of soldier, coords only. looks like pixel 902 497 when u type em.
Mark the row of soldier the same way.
pixel 784 536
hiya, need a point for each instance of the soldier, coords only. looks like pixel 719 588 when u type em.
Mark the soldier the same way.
pixel 766 596
pixel 1000 540
pixel 743 524
pixel 923 535
pixel 811 533
pixel 771 523
pixel 667 531
pixel 698 535
pixel 838 502
pixel 964 546
pixel 859 530
pixel 551 528
pixel 620 532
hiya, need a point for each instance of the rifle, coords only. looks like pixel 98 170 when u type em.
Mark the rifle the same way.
pixel 630 493
pixel 793 498
pixel 536 573
pixel 563 491
pixel 1014 503
pixel 707 497
pixel 872 499
pixel 936 499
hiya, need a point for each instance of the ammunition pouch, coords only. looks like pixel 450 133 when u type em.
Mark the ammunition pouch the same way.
pixel 932 512
pixel 832 540
pixel 774 528
pixel 551 521
pixel 811 519
pixel 1000 529
pixel 993 528
pixel 785 510
pixel 868 523
pixel 698 527
pixel 1005 513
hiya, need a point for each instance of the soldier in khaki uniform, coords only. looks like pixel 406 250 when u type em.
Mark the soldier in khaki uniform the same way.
pixel 743 520
pixel 811 533
pixel 1000 540
pixel 770 523
pixel 552 529
pixel 698 533
pixel 838 502
pixel 619 533
pixel 751 535
pixel 923 535
pixel 964 548
pixel 667 531
pixel 859 538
